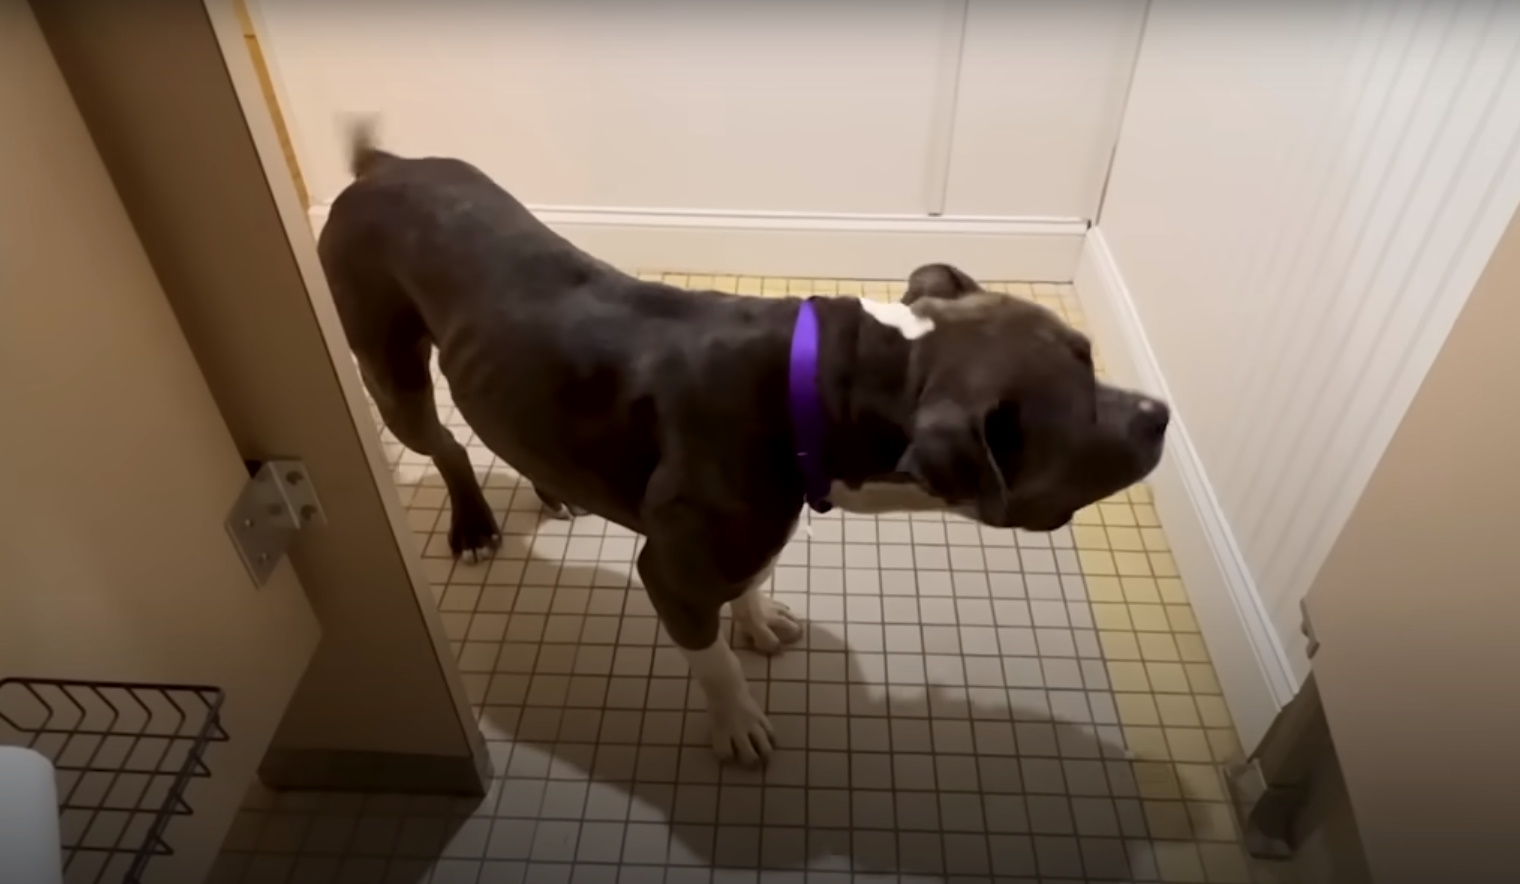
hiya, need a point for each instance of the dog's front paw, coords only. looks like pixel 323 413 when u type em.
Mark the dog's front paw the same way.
pixel 741 730
pixel 473 535
pixel 765 622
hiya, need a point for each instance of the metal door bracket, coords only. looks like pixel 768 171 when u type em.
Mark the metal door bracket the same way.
pixel 275 505
pixel 1306 626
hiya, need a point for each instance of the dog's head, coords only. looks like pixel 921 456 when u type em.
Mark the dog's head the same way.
pixel 1011 425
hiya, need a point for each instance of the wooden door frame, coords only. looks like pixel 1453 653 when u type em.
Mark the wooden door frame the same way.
pixel 177 111
pixel 260 62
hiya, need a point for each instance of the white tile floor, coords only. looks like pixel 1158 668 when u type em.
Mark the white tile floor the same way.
pixel 966 705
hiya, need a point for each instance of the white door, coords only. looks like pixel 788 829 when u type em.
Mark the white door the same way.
pixel 116 468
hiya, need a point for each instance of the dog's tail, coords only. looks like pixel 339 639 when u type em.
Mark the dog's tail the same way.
pixel 364 153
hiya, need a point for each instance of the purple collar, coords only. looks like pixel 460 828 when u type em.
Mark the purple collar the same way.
pixel 809 422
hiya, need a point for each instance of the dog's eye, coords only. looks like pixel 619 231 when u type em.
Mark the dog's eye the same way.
pixel 1082 347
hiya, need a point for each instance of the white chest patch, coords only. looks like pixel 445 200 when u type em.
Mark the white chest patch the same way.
pixel 899 316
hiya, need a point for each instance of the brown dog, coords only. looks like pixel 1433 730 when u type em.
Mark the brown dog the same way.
pixel 704 420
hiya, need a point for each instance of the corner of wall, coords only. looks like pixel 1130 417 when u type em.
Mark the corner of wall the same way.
pixel 1252 665
pixel 807 244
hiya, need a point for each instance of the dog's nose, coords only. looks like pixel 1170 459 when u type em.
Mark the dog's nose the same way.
pixel 1151 419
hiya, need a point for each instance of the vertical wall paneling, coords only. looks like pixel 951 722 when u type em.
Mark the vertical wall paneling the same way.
pixel 1460 215
pixel 1265 300
pixel 1378 204
pixel 1302 197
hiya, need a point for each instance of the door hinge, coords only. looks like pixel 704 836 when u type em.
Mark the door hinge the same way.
pixel 1306 626
pixel 275 505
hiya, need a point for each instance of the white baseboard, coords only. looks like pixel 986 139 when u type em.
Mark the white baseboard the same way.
pixel 815 245
pixel 1252 665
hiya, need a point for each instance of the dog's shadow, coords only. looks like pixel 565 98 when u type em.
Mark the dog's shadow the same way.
pixel 868 777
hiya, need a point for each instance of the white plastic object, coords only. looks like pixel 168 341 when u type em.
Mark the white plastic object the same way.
pixel 31 851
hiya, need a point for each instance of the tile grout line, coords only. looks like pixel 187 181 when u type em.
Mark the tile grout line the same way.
pixel 862 612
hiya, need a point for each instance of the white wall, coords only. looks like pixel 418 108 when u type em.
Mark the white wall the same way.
pixel 900 109
pixel 1302 198
pixel 660 103
pixel 1040 98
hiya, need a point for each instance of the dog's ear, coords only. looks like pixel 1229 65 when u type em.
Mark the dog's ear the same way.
pixel 950 455
pixel 938 281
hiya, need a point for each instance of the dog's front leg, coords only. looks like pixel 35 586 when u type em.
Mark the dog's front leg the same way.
pixel 691 615
pixel 739 728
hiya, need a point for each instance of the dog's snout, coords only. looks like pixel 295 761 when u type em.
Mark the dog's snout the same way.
pixel 1151 418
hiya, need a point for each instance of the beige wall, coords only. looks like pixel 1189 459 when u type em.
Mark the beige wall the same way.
pixel 1418 613
pixel 1330 851
pixel 116 473
pixel 231 247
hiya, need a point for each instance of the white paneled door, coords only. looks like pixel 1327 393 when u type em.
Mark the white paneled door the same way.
pixel 912 107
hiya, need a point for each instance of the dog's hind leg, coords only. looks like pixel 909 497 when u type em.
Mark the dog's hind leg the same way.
pixel 402 385
pixel 392 344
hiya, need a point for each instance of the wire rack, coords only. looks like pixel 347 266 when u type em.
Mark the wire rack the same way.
pixel 125 753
